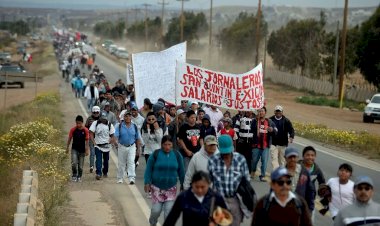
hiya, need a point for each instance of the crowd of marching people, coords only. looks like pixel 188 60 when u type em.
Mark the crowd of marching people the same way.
pixel 210 154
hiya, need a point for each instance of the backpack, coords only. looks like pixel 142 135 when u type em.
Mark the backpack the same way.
pixel 155 155
pixel 97 123
pixel 136 130
pixel 267 202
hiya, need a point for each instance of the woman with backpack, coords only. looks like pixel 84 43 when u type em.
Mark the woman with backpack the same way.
pixel 164 166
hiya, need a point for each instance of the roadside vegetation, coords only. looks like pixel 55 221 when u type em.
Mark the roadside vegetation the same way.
pixel 357 142
pixel 325 101
pixel 30 138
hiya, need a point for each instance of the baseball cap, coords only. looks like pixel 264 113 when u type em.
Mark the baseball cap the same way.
pixel 107 103
pixel 95 109
pixel 226 119
pixel 225 144
pixel 180 111
pixel 291 151
pixel 278 108
pixel 279 172
pixel 127 113
pixel 363 180
pixel 210 139
pixel 194 102
pixel 103 115
pixel 134 107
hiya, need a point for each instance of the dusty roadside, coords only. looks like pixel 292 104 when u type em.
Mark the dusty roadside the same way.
pixel 91 202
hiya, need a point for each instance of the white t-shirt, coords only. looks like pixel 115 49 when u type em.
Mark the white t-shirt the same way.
pixel 102 135
pixel 342 195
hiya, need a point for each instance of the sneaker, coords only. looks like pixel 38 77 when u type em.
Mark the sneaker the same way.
pixel 137 164
pixel 73 179
pixel 79 179
pixel 120 181
pixel 91 169
pixel 98 177
pixel 262 179
pixel 132 182
pixel 105 175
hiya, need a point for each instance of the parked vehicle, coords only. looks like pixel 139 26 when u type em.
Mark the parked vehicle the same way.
pixel 15 75
pixel 122 53
pixel 112 48
pixel 5 56
pixel 107 43
pixel 372 110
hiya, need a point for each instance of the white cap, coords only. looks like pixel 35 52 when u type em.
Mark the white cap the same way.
pixel 95 109
pixel 194 102
pixel 278 108
pixel 180 111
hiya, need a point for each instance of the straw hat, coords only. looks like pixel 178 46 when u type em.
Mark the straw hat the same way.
pixel 222 216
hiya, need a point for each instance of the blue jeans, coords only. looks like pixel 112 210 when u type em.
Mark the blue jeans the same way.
pixel 78 92
pixel 156 211
pixel 92 153
pixel 102 158
pixel 77 160
pixel 258 154
pixel 90 104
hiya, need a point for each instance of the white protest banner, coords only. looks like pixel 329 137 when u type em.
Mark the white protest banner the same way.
pixel 154 73
pixel 241 92
pixel 129 74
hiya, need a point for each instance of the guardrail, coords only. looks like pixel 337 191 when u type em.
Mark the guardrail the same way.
pixel 27 200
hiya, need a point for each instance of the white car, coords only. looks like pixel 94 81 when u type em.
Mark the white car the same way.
pixel 372 110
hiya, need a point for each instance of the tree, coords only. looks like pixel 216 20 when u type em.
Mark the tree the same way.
pixel 109 29
pixel 18 27
pixel 137 31
pixel 368 49
pixel 238 40
pixel 193 25
pixel 298 45
pixel 353 35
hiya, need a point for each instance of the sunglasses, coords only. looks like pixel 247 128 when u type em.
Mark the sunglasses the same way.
pixel 361 188
pixel 282 182
pixel 96 112
pixel 183 101
pixel 150 119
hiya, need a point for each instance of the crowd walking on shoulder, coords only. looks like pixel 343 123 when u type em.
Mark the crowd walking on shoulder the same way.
pixel 203 163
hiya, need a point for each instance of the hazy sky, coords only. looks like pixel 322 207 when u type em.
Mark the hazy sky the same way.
pixel 189 4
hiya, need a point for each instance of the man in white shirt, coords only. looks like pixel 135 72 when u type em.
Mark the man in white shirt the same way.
pixel 215 115
pixel 200 159
pixel 102 135
pixel 342 189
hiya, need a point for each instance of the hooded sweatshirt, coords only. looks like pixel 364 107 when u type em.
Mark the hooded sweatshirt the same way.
pixel 366 214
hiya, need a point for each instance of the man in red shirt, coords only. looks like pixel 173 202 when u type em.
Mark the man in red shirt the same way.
pixel 263 130
pixel 79 149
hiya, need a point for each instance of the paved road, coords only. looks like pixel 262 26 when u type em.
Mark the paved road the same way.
pixel 326 158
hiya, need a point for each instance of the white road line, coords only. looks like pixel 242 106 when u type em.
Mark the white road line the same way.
pixel 136 193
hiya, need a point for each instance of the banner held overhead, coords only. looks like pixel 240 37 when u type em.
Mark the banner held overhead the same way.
pixel 154 73
pixel 243 92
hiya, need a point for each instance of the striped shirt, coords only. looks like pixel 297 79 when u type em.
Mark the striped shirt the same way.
pixel 243 127
pixel 226 180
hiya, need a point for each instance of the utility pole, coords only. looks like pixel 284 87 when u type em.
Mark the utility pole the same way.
pixel 210 34
pixel 258 22
pixel 163 3
pixel 146 25
pixel 336 58
pixel 343 55
pixel 182 18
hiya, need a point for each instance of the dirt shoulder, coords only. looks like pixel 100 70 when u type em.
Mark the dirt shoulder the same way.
pixel 335 118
